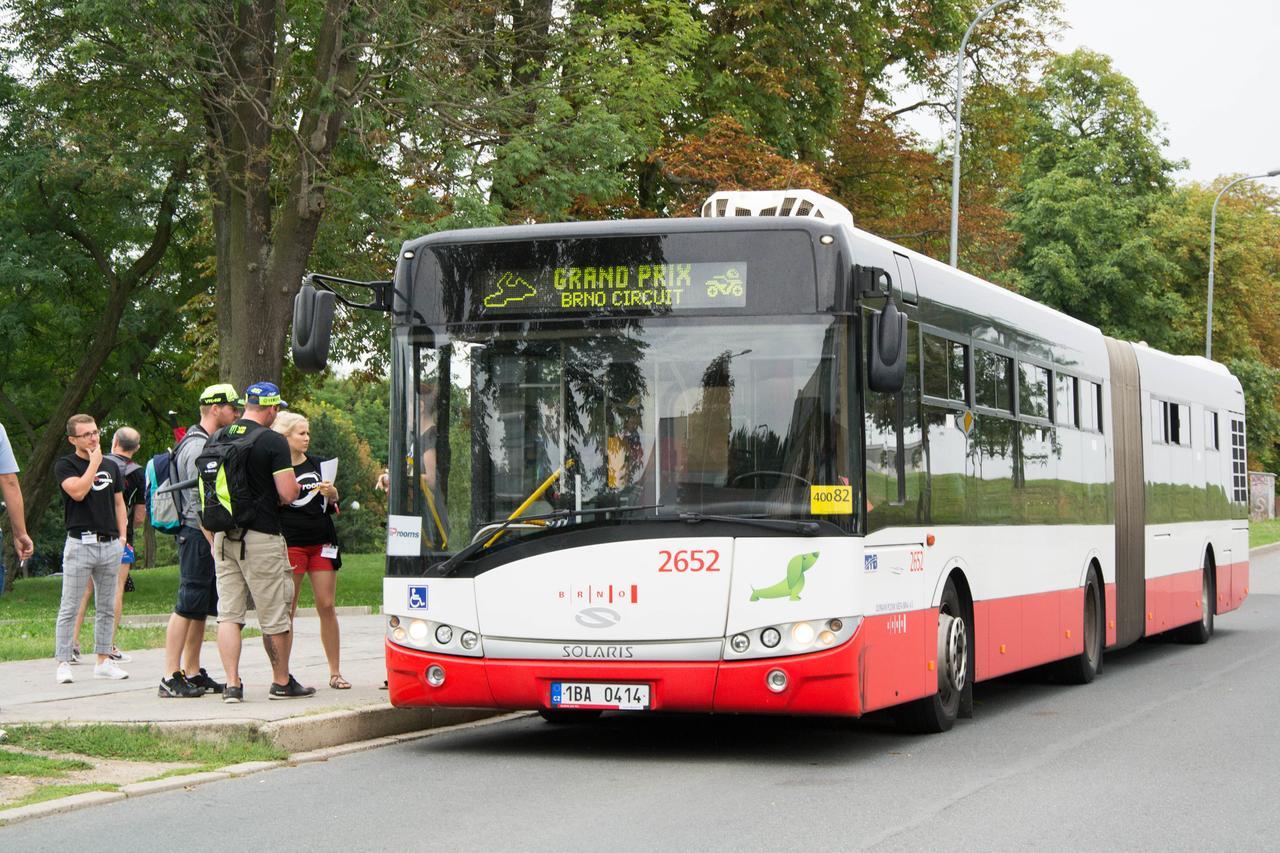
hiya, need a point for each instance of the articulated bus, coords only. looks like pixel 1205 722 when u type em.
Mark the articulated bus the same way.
pixel 761 461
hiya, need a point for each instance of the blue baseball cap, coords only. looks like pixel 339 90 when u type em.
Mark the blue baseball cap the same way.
pixel 264 394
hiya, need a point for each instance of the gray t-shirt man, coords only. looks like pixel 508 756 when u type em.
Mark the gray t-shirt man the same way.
pixel 185 462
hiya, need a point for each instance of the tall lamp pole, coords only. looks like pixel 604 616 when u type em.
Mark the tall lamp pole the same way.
pixel 1213 228
pixel 955 156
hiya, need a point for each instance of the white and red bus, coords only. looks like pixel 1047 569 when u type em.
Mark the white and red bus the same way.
pixel 764 462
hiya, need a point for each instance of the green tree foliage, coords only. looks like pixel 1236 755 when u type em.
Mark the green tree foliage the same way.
pixel 1093 176
pixel 1261 384
pixel 334 434
pixel 93 210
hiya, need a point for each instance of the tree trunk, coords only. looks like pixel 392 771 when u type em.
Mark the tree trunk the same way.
pixel 262 251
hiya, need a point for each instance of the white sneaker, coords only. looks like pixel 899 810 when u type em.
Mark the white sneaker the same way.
pixel 108 669
pixel 64 673
pixel 118 656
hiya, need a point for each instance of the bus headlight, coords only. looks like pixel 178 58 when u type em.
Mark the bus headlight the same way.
pixel 792 638
pixel 437 637
pixel 802 633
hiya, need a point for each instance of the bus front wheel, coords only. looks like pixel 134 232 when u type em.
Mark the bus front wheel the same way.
pixel 937 713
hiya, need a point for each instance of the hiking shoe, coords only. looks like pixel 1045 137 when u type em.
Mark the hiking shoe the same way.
pixel 118 656
pixel 202 680
pixel 108 669
pixel 64 673
pixel 292 690
pixel 178 687
pixel 233 693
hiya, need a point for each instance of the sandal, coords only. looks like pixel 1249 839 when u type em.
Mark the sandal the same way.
pixel 337 682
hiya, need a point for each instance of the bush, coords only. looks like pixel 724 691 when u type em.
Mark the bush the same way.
pixel 333 434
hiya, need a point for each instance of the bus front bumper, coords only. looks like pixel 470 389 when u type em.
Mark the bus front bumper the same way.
pixel 824 682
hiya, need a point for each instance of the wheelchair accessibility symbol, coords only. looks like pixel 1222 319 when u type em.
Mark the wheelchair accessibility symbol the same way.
pixel 417 598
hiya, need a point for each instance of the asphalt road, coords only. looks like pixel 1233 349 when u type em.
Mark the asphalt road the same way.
pixel 1172 748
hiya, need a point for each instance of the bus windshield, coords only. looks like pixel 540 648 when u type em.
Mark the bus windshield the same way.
pixel 733 418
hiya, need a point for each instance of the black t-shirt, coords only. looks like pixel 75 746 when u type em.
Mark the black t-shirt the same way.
pixel 306 521
pixel 135 487
pixel 97 512
pixel 269 455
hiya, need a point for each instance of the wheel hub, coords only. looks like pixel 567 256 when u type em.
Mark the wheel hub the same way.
pixel 953 653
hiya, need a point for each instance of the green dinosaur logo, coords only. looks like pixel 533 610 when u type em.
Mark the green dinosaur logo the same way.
pixel 791 586
pixel 511 288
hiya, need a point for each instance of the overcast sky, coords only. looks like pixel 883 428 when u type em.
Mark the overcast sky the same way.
pixel 1209 69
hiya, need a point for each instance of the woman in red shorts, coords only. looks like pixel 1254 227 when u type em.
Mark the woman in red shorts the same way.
pixel 307 524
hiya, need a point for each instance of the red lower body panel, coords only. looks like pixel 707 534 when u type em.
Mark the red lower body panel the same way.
pixel 1027 630
pixel 889 660
pixel 1233 585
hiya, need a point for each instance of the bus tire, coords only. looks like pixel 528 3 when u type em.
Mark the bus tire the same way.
pixel 1084 667
pixel 566 717
pixel 1199 632
pixel 938 713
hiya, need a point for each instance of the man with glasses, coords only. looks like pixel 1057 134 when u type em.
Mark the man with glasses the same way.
pixel 220 405
pixel 94 512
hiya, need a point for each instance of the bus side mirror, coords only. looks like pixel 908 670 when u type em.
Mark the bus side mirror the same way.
pixel 887 350
pixel 312 325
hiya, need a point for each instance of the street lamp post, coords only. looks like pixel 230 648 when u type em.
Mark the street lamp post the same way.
pixel 1213 228
pixel 955 156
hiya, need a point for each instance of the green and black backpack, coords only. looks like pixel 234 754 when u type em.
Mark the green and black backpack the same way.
pixel 226 501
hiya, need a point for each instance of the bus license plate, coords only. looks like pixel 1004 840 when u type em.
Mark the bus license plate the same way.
pixel 595 695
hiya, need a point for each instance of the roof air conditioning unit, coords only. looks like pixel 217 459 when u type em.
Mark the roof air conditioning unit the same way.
pixel 776 203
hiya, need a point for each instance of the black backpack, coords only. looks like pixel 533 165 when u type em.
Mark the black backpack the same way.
pixel 226 501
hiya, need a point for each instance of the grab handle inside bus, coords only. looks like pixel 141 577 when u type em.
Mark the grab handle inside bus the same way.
pixel 312 326
pixel 887 350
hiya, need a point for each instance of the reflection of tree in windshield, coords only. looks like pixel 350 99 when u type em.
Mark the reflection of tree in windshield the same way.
pixel 635 415
pixel 606 388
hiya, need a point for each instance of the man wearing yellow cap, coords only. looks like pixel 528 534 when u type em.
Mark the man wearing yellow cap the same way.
pixel 220 405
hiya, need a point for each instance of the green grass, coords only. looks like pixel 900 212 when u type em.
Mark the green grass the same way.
pixel 145 743
pixel 53 792
pixel 22 764
pixel 29 608
pixel 1264 532
pixel 33 638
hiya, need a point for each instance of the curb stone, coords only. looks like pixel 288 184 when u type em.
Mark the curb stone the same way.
pixel 1262 550
pixel 65 804
pixel 170 783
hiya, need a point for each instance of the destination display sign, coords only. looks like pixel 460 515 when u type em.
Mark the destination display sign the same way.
pixel 643 287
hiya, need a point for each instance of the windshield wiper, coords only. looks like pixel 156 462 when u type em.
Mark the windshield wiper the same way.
pixel 479 544
pixel 807 528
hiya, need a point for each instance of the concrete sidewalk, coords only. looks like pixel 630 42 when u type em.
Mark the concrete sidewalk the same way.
pixel 29 693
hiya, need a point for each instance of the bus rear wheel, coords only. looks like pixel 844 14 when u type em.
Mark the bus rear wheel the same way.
pixel 937 713
pixel 1199 632
pixel 1085 666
